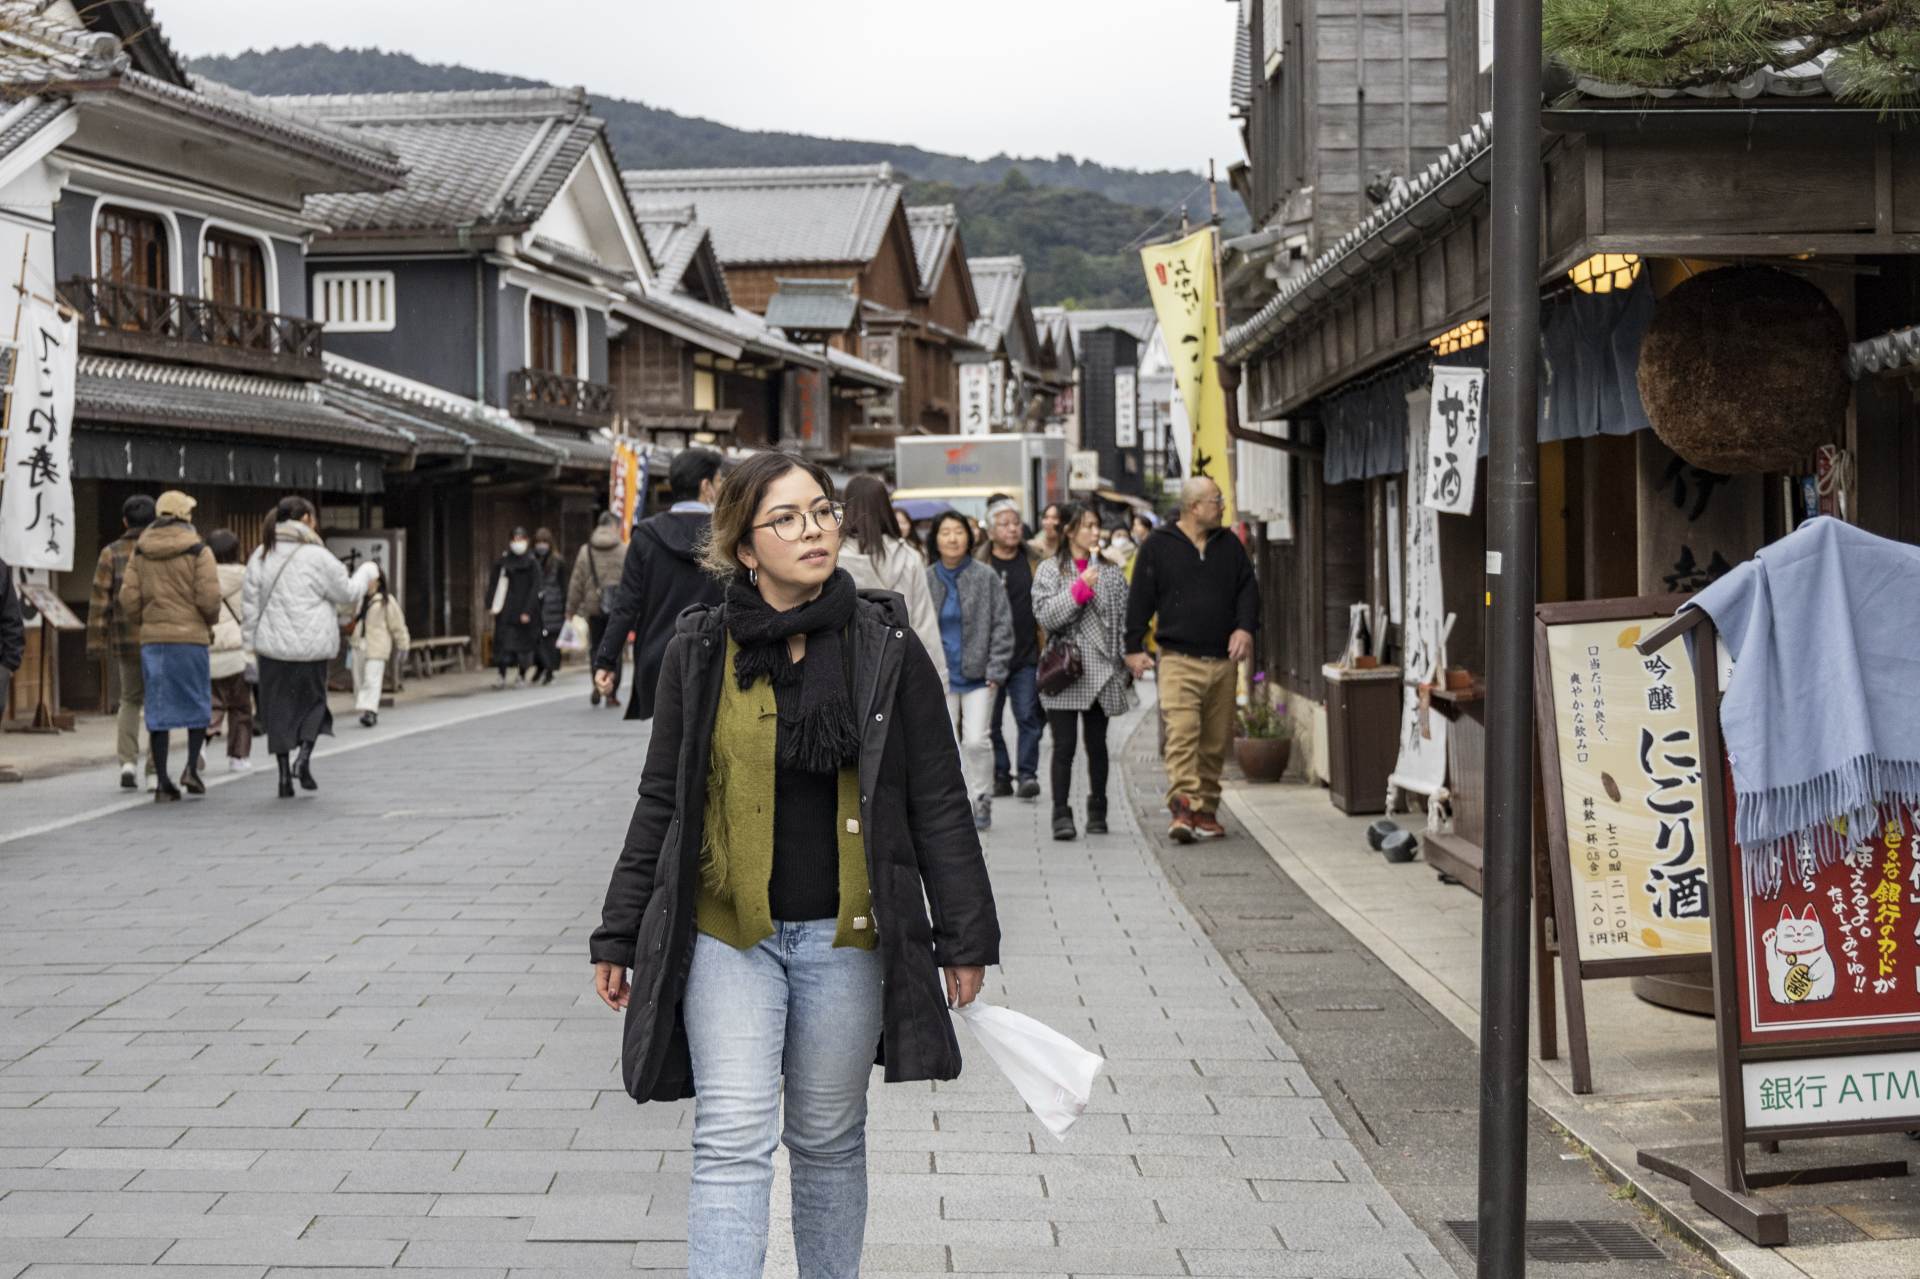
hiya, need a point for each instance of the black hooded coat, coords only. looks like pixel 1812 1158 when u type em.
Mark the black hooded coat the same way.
pixel 660 579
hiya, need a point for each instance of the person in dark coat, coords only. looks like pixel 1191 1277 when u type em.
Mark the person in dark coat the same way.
pixel 793 937
pixel 553 603
pixel 660 578
pixel 514 592
pixel 13 633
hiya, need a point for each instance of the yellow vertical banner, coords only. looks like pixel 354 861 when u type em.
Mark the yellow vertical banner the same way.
pixel 623 490
pixel 1180 280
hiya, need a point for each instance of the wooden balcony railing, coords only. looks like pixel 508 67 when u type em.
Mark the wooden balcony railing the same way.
pixel 541 396
pixel 124 319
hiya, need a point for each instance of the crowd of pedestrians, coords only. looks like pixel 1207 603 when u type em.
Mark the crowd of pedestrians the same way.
pixel 1048 627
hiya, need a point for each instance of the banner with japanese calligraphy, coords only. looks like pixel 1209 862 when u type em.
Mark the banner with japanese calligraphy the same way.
pixel 1835 954
pixel 1421 765
pixel 623 487
pixel 1453 440
pixel 1180 282
pixel 1631 800
pixel 36 500
pixel 976 399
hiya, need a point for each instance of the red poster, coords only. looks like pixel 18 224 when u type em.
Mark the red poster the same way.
pixel 1836 954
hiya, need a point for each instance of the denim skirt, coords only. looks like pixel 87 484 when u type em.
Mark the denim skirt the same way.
pixel 179 688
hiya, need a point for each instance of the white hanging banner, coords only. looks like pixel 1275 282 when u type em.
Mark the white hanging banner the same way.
pixel 1453 440
pixel 976 405
pixel 36 502
pixel 1126 403
pixel 1422 764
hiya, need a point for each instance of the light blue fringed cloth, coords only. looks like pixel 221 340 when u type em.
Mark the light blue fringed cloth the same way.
pixel 1821 717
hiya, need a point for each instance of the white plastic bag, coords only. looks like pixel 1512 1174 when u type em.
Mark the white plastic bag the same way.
pixel 573 636
pixel 1052 1074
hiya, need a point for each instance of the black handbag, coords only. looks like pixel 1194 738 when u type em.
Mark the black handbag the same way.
pixel 1060 667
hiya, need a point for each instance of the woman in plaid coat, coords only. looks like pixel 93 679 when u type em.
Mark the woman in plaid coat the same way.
pixel 1081 598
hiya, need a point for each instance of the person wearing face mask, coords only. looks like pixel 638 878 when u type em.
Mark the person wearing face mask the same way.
pixel 291 600
pixel 774 947
pixel 515 592
pixel 553 604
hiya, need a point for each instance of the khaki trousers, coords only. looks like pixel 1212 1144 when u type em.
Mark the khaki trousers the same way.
pixel 1196 706
pixel 129 723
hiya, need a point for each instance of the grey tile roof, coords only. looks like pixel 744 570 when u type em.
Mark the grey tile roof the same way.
pixel 997 282
pixel 1240 96
pixel 437 421
pixel 1057 332
pixel 852 368
pixel 1452 182
pixel 25 119
pixel 813 306
pixel 934 228
pixel 1137 320
pixel 486 158
pixel 41 49
pixel 137 392
pixel 679 244
pixel 836 213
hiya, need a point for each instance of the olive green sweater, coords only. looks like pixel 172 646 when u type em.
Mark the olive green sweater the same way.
pixel 736 859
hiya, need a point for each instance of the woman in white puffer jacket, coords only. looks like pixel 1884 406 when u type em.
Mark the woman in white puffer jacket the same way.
pixel 878 559
pixel 294 592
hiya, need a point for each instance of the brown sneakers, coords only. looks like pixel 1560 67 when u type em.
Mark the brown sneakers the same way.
pixel 1181 829
pixel 1207 826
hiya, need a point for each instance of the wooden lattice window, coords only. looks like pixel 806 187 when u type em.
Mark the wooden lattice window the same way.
pixel 130 247
pixel 553 337
pixel 233 270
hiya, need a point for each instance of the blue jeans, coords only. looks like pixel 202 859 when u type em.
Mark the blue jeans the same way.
pixel 791 1006
pixel 1025 695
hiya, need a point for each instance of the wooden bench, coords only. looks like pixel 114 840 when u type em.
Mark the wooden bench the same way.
pixel 425 657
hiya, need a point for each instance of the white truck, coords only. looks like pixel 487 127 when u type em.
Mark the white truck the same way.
pixel 963 471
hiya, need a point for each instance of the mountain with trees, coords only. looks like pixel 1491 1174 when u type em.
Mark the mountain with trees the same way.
pixel 1076 222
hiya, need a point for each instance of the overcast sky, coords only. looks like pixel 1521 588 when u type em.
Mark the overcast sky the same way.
pixel 1134 83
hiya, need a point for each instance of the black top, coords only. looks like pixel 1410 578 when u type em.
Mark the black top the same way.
pixel 1199 598
pixel 806 847
pixel 659 579
pixel 1017 576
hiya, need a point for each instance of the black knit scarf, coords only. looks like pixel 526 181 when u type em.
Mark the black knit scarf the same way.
pixel 820 736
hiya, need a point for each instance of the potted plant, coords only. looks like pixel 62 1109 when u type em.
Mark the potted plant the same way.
pixel 1263 734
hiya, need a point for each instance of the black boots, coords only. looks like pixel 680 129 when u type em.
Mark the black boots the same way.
pixel 303 769
pixel 369 718
pixel 286 777
pixel 1063 823
pixel 190 778
pixel 1097 816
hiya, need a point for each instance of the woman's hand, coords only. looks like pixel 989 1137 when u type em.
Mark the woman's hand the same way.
pixel 962 985
pixel 1091 573
pixel 610 983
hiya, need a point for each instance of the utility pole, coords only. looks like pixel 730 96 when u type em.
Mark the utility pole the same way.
pixel 1512 532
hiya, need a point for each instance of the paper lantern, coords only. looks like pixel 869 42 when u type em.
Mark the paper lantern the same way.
pixel 1744 369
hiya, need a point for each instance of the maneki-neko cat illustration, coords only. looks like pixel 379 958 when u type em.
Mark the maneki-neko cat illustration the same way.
pixel 1799 969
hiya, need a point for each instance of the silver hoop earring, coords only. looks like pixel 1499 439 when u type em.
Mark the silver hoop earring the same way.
pixel 753 577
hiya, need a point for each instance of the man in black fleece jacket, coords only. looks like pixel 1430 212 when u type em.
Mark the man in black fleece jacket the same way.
pixel 1195 578
pixel 660 578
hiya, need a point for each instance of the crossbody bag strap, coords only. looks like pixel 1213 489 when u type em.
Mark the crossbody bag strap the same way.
pixel 284 566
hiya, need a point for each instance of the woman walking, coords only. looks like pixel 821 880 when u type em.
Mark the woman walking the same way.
pixel 1080 599
pixel 790 939
pixel 553 603
pixel 379 639
pixel 171 594
pixel 879 558
pixel 229 659
pixel 976 633
pixel 591 591
pixel 295 590
pixel 515 591
pixel 903 523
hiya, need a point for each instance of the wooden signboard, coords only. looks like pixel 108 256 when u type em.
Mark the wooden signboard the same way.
pixel 1624 808
pixel 1816 987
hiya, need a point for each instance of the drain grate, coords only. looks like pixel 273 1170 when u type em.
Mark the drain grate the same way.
pixel 1571 1241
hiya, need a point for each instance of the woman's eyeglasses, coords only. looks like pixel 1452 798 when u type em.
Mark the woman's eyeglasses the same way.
pixel 791 526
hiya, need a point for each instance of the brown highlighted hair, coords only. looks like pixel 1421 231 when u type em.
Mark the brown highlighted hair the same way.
pixel 870 518
pixel 742 489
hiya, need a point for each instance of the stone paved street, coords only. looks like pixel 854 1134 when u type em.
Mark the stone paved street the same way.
pixel 355 1031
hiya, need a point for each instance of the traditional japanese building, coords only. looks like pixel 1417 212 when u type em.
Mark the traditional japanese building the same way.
pixel 170 214
pixel 774 228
